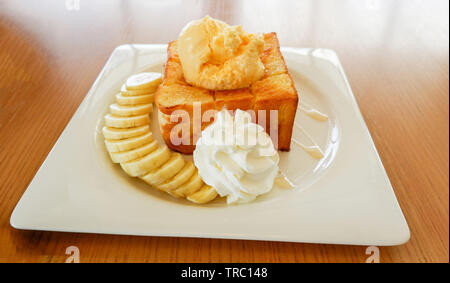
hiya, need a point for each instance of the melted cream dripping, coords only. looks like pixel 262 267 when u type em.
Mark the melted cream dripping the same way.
pixel 314 113
pixel 313 150
pixel 283 182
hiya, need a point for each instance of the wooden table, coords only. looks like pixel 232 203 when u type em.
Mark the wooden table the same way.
pixel 395 53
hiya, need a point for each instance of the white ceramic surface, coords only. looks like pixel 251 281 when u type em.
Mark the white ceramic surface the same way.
pixel 346 198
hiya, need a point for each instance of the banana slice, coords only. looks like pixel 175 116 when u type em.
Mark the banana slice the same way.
pixel 166 171
pixel 137 92
pixel 204 195
pixel 180 178
pixel 121 110
pixel 125 156
pixel 144 81
pixel 128 144
pixel 147 163
pixel 191 186
pixel 115 121
pixel 119 134
pixel 134 100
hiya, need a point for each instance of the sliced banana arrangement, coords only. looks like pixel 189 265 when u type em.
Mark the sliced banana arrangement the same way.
pixel 130 143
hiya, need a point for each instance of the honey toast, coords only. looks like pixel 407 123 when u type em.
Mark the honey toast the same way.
pixel 274 91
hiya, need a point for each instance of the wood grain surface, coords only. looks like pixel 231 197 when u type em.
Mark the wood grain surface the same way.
pixel 396 56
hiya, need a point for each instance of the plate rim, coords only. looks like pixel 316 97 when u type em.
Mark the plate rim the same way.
pixel 402 239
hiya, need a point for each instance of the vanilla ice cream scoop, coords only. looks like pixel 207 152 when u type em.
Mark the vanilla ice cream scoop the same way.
pixel 217 56
pixel 236 157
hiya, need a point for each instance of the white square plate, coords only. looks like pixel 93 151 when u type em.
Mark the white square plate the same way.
pixel 345 198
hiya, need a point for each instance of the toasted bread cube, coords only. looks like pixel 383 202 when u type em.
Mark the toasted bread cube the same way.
pixel 172 51
pixel 277 93
pixel 271 58
pixel 175 96
pixel 167 126
pixel 182 148
pixel 173 72
pixel 234 99
pixel 172 97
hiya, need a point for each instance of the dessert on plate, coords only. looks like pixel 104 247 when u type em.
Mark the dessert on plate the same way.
pixel 226 96
pixel 218 66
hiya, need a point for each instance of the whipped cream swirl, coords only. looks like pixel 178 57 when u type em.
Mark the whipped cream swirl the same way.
pixel 236 157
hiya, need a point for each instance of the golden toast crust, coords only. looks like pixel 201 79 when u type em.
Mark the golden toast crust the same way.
pixel 174 96
pixel 272 58
pixel 275 91
pixel 173 73
pixel 234 99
